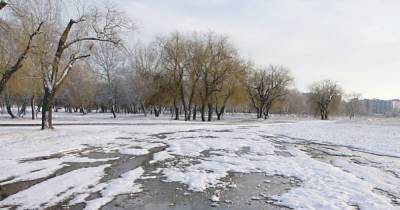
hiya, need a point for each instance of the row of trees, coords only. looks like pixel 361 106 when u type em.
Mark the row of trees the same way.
pixel 49 60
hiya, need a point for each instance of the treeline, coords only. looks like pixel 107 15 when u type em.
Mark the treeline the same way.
pixel 83 65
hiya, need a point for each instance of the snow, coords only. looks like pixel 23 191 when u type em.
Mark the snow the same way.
pixel 199 155
pixel 161 156
pixel 32 170
pixel 123 185
pixel 377 138
pixel 215 198
pixel 133 151
pixel 57 189
pixel 372 175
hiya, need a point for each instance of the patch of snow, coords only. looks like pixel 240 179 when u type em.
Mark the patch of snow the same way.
pixel 31 170
pixel 202 157
pixel 382 139
pixel 215 198
pixel 133 151
pixel 123 185
pixel 161 156
pixel 57 189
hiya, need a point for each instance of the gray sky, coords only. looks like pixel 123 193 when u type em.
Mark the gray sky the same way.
pixel 355 42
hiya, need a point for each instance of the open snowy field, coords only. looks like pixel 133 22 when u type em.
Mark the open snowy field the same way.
pixel 240 163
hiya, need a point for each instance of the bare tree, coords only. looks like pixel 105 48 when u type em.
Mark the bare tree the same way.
pixel 18 34
pixel 325 96
pixel 296 102
pixel 353 105
pixel 232 85
pixel 75 43
pixel 10 71
pixel 214 70
pixel 176 62
pixel 78 92
pixel 195 53
pixel 149 80
pixel 265 86
pixel 109 61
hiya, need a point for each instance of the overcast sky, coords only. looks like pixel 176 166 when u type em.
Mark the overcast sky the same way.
pixel 354 42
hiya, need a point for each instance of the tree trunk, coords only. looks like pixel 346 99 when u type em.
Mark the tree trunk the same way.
pixel 203 112
pixel 176 110
pixel 219 112
pixel 113 111
pixel 44 111
pixel 22 111
pixel 33 107
pixel 185 109
pixel 9 111
pixel 144 109
pixel 266 110
pixel 266 114
pixel 324 114
pixel 210 112
pixel 259 113
pixel 47 109
pixel 194 112
pixel 189 115
pixel 8 107
pixel 157 112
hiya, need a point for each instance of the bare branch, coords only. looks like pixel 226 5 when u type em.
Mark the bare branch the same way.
pixel 18 64
pixel 68 68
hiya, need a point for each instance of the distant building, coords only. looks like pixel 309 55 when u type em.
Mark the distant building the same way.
pixel 377 106
pixel 396 105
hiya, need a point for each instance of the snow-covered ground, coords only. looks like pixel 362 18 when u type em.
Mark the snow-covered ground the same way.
pixel 359 166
